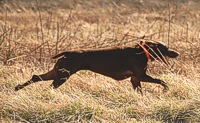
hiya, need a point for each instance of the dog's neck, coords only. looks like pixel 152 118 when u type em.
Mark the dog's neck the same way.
pixel 145 51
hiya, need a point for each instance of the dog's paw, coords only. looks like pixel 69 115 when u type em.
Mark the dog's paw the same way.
pixel 166 89
pixel 18 87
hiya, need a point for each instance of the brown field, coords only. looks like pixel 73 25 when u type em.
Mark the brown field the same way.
pixel 31 32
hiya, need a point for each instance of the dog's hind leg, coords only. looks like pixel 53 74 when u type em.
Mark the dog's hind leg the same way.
pixel 61 76
pixel 43 77
pixel 35 78
pixel 66 68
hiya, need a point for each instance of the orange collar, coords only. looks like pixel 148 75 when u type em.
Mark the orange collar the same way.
pixel 145 51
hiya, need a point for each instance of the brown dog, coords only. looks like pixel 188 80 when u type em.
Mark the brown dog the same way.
pixel 117 63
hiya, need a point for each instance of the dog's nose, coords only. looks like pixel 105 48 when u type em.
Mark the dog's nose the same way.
pixel 172 53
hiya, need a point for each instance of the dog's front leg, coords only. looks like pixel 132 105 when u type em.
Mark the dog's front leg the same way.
pixel 148 78
pixel 136 84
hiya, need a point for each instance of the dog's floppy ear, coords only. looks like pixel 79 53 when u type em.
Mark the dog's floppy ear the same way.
pixel 151 44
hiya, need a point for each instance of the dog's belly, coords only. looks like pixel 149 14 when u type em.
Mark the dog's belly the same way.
pixel 117 75
pixel 122 75
pixel 117 66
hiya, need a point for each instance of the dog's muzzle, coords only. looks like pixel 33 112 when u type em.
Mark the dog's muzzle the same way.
pixel 172 53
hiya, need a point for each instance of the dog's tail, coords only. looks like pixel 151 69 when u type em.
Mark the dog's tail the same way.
pixel 61 54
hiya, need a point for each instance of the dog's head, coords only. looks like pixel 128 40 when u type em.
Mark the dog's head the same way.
pixel 158 50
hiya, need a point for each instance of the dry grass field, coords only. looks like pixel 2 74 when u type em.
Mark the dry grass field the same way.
pixel 31 32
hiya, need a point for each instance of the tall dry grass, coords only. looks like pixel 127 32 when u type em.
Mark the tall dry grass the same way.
pixel 30 37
